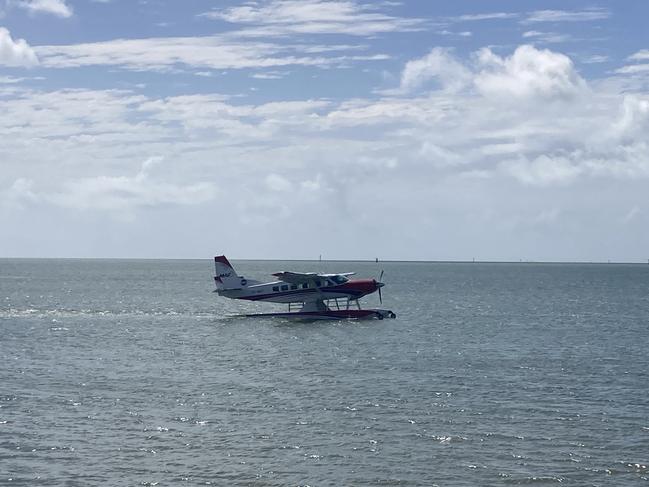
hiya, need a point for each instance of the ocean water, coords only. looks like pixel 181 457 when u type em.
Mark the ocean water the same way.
pixel 131 372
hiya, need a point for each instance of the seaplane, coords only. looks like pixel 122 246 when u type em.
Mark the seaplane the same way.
pixel 309 295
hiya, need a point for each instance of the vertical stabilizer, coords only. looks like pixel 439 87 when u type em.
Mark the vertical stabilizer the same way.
pixel 226 277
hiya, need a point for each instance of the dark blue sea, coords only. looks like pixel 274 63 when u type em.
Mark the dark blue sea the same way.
pixel 132 372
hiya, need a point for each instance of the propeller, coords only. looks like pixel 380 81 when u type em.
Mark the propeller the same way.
pixel 379 285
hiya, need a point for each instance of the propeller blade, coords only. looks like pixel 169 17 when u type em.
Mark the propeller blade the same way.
pixel 379 285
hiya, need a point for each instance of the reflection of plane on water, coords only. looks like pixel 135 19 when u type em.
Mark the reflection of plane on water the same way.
pixel 308 295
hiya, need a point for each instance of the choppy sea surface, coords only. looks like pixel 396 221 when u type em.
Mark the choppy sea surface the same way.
pixel 131 372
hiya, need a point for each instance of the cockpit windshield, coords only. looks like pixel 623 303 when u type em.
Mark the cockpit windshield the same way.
pixel 339 279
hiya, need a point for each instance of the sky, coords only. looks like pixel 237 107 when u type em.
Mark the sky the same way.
pixel 290 129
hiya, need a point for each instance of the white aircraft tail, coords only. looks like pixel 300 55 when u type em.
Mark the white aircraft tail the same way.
pixel 226 277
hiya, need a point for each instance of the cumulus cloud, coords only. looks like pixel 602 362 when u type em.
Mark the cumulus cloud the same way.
pixel 437 65
pixel 53 7
pixel 15 53
pixel 528 72
pixel 634 117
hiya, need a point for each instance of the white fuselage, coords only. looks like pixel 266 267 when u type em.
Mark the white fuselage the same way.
pixel 284 292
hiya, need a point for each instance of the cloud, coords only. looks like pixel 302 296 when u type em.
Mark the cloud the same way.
pixel 634 117
pixel 15 53
pixel 547 37
pixel 284 17
pixel 499 111
pixel 174 53
pixel 238 122
pixel 543 170
pixel 438 65
pixel 19 194
pixel 528 73
pixel 54 7
pixel 595 59
pixel 585 15
pixel 275 182
pixel 426 158
pixel 129 192
pixel 642 55
pixel 452 33
pixel 640 68
pixel 486 16
pixel 250 47
pixel 269 75
pixel 633 69
pixel 10 80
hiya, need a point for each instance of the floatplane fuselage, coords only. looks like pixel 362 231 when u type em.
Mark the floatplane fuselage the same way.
pixel 311 293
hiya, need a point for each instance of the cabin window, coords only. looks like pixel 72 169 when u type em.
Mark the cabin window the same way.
pixel 293 286
pixel 275 288
pixel 285 287
pixel 305 285
pixel 339 279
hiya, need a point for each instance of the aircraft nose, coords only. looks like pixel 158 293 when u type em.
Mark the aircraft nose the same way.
pixel 379 284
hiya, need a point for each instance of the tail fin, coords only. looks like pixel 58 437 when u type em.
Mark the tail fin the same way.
pixel 226 277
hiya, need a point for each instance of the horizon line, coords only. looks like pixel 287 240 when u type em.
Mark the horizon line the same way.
pixel 379 261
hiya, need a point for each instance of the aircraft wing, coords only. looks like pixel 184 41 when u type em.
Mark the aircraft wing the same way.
pixel 302 277
pixel 296 277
